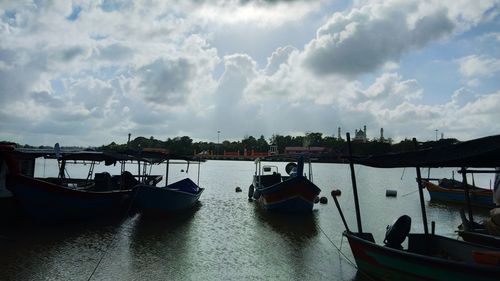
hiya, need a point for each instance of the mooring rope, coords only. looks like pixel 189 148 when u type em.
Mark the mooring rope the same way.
pixel 112 240
pixel 338 249
pixel 345 257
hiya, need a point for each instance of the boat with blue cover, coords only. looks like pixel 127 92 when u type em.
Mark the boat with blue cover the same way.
pixel 171 198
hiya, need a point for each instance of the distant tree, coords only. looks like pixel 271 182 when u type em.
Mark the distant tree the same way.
pixel 314 139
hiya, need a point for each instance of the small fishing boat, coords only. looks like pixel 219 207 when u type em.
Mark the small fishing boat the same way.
pixel 171 198
pixel 9 207
pixel 487 233
pixel 292 193
pixel 428 256
pixel 451 190
pixel 62 198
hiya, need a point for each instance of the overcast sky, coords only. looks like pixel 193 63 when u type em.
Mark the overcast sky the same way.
pixel 90 72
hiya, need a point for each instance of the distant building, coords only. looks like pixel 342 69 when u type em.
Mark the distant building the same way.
pixel 360 135
pixel 308 150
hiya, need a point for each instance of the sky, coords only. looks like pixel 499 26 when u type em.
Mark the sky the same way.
pixel 90 72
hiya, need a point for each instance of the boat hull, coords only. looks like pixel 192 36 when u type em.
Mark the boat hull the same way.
pixel 392 264
pixel 152 200
pixel 295 194
pixel 478 198
pixel 50 202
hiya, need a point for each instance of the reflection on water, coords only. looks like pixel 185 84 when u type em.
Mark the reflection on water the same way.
pixel 225 237
pixel 298 228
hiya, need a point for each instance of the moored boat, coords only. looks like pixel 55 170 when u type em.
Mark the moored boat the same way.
pixel 428 256
pixel 292 193
pixel 486 233
pixel 171 198
pixel 60 198
pixel 450 190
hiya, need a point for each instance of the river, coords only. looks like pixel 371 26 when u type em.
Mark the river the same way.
pixel 226 237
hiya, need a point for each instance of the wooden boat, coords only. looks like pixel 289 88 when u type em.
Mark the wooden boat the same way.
pixel 171 198
pixel 9 207
pixel 428 256
pixel 61 198
pixel 487 233
pixel 453 191
pixel 292 193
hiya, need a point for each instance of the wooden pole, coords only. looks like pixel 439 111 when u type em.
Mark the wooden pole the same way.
pixel 421 193
pixel 354 186
pixel 166 172
pixel 467 195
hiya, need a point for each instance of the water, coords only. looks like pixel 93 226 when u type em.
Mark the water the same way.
pixel 225 237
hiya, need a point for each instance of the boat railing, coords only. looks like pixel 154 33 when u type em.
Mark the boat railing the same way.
pixel 151 179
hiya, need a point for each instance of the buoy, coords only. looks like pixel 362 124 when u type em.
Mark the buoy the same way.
pixel 238 189
pixel 250 191
pixel 336 192
pixel 391 193
pixel 323 200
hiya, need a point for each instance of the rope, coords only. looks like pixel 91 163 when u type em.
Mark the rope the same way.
pixel 344 256
pixel 338 249
pixel 112 240
pixel 411 192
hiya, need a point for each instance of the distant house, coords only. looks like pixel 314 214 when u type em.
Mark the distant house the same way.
pixel 309 150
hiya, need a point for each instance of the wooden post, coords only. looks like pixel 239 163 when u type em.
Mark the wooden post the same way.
pixel 354 186
pixel 467 195
pixel 166 172
pixel 421 193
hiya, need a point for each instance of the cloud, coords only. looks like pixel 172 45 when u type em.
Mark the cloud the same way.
pixel 114 52
pixel 269 14
pixel 478 65
pixel 190 67
pixel 364 39
pixel 46 99
pixel 278 57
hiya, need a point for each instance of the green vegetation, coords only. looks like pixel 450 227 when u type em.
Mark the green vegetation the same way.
pixel 185 145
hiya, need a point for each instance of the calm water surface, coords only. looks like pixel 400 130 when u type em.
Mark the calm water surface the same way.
pixel 225 237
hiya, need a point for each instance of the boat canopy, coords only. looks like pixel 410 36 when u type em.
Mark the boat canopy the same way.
pixel 158 157
pixel 110 158
pixel 478 153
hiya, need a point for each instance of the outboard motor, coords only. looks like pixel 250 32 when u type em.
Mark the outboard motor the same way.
pixel 397 232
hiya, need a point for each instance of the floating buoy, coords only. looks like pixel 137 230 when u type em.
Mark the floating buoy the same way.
pixel 238 189
pixel 316 200
pixel 250 191
pixel 336 192
pixel 323 200
pixel 391 193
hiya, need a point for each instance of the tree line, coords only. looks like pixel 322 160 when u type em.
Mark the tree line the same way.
pixel 186 146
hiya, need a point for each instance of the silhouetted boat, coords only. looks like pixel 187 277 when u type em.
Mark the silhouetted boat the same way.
pixel 63 198
pixel 428 256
